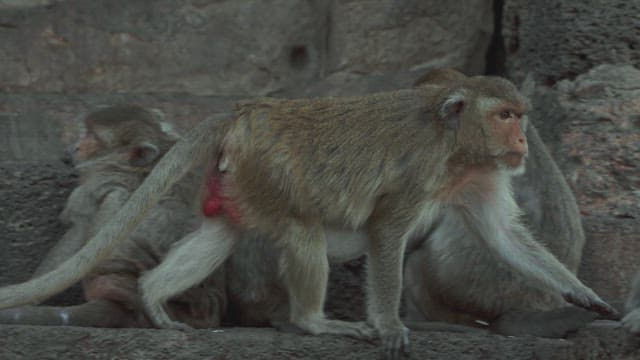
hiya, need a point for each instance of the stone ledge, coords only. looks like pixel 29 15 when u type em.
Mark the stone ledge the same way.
pixel 33 342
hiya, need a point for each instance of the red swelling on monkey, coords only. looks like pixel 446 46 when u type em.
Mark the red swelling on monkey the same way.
pixel 217 204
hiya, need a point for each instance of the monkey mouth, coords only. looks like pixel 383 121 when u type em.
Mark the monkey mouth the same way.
pixel 513 159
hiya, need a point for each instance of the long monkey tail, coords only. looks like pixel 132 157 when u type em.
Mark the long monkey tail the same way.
pixel 199 145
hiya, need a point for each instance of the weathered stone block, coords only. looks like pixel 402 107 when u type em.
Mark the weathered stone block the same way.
pixel 559 39
pixel 381 36
pixel 199 47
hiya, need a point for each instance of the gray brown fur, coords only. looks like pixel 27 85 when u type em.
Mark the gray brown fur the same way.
pixel 131 140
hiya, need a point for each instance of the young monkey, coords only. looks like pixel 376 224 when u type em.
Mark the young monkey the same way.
pixel 386 164
pixel 117 147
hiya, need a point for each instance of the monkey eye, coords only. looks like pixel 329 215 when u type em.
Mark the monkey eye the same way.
pixel 506 114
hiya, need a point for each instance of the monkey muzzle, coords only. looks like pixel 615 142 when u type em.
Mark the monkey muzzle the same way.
pixel 514 159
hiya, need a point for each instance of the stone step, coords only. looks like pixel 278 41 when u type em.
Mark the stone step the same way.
pixel 31 342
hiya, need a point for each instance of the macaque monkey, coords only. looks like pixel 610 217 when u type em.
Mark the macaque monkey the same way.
pixel 631 321
pixel 118 147
pixel 496 298
pixel 453 277
pixel 386 164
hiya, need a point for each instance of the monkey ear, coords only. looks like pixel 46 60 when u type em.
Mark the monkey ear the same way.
pixel 143 154
pixel 451 109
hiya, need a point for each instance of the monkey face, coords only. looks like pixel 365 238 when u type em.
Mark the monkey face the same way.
pixel 86 147
pixel 507 125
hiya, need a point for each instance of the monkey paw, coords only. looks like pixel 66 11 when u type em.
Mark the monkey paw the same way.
pixel 592 302
pixel 395 343
pixel 631 322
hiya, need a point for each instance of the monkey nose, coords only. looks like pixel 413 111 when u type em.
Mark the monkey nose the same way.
pixel 520 145
pixel 68 154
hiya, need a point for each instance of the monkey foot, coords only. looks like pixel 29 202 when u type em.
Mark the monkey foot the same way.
pixel 161 320
pixel 631 322
pixel 395 343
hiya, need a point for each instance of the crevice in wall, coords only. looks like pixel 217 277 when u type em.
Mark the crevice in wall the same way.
pixel 495 58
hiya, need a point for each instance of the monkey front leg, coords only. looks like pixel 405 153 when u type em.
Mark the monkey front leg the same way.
pixel 305 269
pixel 187 264
pixel 385 257
pixel 512 243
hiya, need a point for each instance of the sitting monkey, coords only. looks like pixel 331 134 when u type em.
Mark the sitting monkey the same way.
pixel 118 147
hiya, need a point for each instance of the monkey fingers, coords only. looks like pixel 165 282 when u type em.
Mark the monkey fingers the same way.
pixel 593 303
pixel 631 322
pixel 396 344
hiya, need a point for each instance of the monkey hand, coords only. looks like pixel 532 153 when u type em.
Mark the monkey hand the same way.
pixel 631 322
pixel 587 299
pixel 395 342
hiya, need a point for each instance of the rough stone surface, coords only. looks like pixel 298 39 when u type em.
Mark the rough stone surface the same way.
pixel 33 194
pixel 592 126
pixel 378 36
pixel 17 343
pixel 229 47
pixel 13 4
pixel 190 46
pixel 559 39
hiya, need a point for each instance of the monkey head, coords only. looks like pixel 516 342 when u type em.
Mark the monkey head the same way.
pixel 488 116
pixel 127 134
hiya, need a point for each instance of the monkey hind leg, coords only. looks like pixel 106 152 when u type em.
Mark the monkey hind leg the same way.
pixel 187 264
pixel 305 271
pixel 556 323
pixel 95 313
